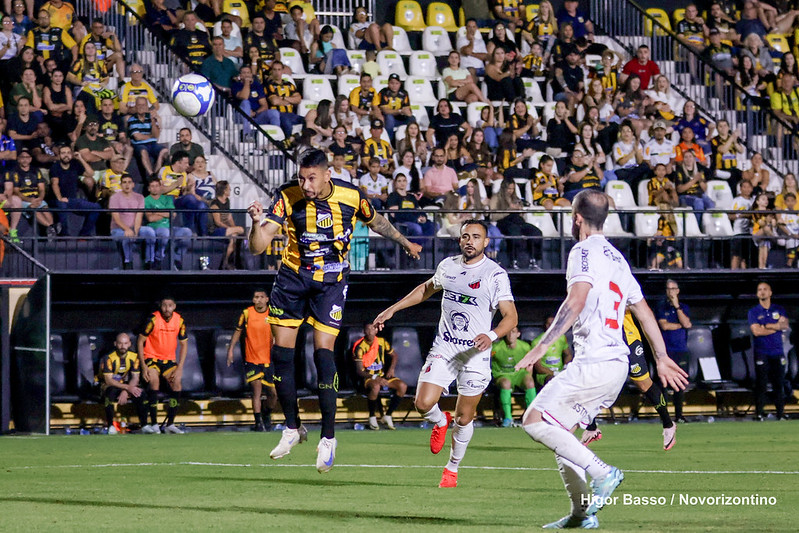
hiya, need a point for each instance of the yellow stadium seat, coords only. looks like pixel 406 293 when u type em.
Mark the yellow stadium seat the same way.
pixel 660 16
pixel 531 10
pixel 778 42
pixel 678 15
pixel 440 14
pixel 461 17
pixel 408 16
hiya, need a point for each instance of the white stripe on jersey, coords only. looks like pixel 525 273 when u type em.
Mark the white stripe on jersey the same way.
pixel 471 296
pixel 598 331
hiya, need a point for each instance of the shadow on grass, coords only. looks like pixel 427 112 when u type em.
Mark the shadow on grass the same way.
pixel 324 514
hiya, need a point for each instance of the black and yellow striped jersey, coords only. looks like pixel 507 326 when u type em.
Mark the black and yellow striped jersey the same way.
pixel 609 79
pixel 364 99
pixel 665 227
pixel 510 8
pixel 631 333
pixel 120 367
pixel 282 89
pixel 319 230
pixel 377 365
pixel 723 159
pixel 653 186
pixel 551 183
pixel 538 28
pixel 394 101
pixel 379 148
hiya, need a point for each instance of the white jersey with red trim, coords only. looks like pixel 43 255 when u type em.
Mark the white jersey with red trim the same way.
pixel 598 331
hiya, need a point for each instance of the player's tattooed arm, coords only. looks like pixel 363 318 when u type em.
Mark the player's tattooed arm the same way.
pixel 382 226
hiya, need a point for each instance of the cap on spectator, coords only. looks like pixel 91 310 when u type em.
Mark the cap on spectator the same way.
pixel 377 124
pixel 659 124
pixel 23 150
pixel 714 31
pixel 570 49
pixel 394 76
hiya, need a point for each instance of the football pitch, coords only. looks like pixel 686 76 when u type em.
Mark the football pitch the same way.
pixel 387 481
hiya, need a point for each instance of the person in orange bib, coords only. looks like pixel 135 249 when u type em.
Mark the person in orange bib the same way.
pixel 257 334
pixel 164 332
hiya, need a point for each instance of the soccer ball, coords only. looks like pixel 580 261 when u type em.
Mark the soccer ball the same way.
pixel 192 95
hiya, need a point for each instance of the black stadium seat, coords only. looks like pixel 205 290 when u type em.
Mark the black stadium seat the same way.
pixel 91 347
pixel 193 380
pixel 409 355
pixel 700 345
pixel 228 378
pixel 742 357
pixel 58 362
pixel 530 333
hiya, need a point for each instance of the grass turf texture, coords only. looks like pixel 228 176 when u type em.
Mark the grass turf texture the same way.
pixel 61 482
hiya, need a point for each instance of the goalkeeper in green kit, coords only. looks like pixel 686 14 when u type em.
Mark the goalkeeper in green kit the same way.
pixel 505 353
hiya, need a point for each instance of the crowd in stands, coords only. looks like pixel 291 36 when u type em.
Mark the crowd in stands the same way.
pixel 491 142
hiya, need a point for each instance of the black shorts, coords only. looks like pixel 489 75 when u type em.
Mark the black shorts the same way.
pixel 258 372
pixel 639 370
pixel 164 367
pixel 110 395
pixel 296 298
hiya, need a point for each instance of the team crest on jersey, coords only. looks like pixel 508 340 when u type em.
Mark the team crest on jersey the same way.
pixel 475 284
pixel 324 220
pixel 460 321
pixel 336 312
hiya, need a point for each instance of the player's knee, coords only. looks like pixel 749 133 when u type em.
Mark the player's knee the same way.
pixel 503 383
pixel 422 405
pixel 325 365
pixel 531 416
pixel 463 419
pixel 536 430
pixel 402 388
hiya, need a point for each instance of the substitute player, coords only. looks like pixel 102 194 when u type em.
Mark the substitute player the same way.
pixel 254 325
pixel 165 330
pixel 474 288
pixel 320 214
pixel 639 374
pixel 119 381
pixel 375 361
pixel 600 286
pixel 505 353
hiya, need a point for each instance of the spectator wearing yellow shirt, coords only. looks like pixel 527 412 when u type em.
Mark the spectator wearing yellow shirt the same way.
pixel 174 181
pixel 61 13
pixel 135 88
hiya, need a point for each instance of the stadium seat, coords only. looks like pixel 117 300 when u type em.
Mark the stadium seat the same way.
pixel 317 88
pixel 408 16
pixel 530 11
pixel 420 91
pixel 423 65
pixel 613 227
pixel 473 112
pixel 741 355
pixel 687 225
pixel 357 58
pixel 346 84
pixel 405 342
pixel 646 222
pixel 291 58
pixel 717 224
pixel 58 362
pixel 621 193
pixel 390 62
pixel 548 112
pixel 305 106
pixel 192 379
pixel 530 333
pixel 592 61
pixel 778 42
pixel 338 37
pixel 90 350
pixel 533 91
pixel 678 15
pixel 420 114
pixel 401 42
pixel 436 40
pixel 380 83
pixel 228 378
pixel 720 192
pixel 541 219
pixel 659 15
pixel 440 14
pixel 700 346
pixel 643 193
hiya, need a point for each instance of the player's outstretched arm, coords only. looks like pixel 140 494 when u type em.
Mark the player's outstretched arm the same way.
pixel 510 319
pixel 416 296
pixel 260 235
pixel 670 372
pixel 382 226
pixel 569 310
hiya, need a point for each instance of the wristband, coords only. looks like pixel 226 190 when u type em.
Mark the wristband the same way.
pixel 492 335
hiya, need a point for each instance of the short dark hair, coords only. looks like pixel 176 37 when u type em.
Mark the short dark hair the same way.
pixel 220 187
pixel 477 221
pixel 166 297
pixel 312 158
pixel 593 206
pixel 365 75
pixel 373 160
pixel 181 130
pixel 788 195
pixel 260 289
pixel 178 155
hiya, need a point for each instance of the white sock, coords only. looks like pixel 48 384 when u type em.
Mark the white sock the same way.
pixel 574 480
pixel 461 435
pixel 435 416
pixel 565 444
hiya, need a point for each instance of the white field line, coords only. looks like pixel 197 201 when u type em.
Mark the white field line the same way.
pixel 278 465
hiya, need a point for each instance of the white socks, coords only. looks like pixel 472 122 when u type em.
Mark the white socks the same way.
pixel 574 480
pixel 565 444
pixel 435 416
pixel 461 435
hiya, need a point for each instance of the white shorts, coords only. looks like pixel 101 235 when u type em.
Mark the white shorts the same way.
pixel 472 380
pixel 579 393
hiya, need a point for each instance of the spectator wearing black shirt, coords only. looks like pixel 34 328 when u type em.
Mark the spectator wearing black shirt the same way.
pixel 446 123
pixel 113 129
pixel 395 105
pixel 582 173
pixel 412 224
pixel 250 94
pixel 65 180
pixel 268 49
pixel 568 83
pixel 560 129
pixel 190 42
pixel 342 146
pixel 23 125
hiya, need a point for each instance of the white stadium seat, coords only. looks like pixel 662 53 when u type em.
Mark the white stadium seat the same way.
pixel 435 39
pixel 390 62
pixel 646 222
pixel 317 88
pixel 423 64
pixel 717 224
pixel 420 91
pixel 347 83
pixel 621 193
pixel 720 192
pixel 401 42
pixel 291 58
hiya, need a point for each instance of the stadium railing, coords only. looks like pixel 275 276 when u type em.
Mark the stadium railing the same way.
pixel 716 93
pixel 266 161
pixel 631 230
pixel 339 12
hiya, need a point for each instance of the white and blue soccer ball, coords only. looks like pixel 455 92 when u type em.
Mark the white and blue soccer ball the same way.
pixel 192 95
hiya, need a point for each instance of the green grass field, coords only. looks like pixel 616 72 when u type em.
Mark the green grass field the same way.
pixel 225 481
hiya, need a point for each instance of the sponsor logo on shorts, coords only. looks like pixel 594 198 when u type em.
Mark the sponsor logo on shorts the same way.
pixel 336 313
pixel 639 350
pixel 476 383
pixel 460 298
pixel 275 311
pixel 324 220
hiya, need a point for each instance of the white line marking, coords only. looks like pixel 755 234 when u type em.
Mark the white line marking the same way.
pixel 279 465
